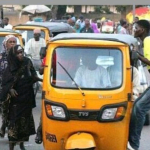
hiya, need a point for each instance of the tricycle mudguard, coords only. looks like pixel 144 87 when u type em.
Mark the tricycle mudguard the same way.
pixel 80 141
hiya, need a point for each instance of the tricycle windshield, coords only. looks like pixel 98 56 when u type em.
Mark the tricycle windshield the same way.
pixel 89 68
pixel 28 34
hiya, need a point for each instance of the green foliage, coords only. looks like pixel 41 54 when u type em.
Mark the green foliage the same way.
pixel 98 9
pixel 23 6
pixel 122 8
pixel 107 10
pixel 49 6
pixel 61 11
pixel 102 9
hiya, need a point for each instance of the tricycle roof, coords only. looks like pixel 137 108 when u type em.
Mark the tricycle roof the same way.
pixel 127 39
pixel 9 31
pixel 52 26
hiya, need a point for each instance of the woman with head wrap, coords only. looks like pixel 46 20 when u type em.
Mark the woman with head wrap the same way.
pixel 94 27
pixel 77 27
pixel 17 84
pixel 9 41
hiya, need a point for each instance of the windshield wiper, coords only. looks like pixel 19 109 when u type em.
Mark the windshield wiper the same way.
pixel 71 78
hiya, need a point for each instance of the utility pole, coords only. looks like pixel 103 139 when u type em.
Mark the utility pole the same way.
pixel 133 12
pixel 2 14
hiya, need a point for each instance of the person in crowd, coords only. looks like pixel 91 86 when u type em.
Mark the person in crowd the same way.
pixel 33 47
pixel 87 28
pixel 71 22
pixel 99 26
pixel 77 27
pixel 134 22
pixel 8 42
pixel 142 104
pixel 30 19
pixel 18 96
pixel 123 29
pixel 90 75
pixel 136 19
pixel 130 28
pixel 81 20
pixel 94 27
pixel 118 27
pixel 6 23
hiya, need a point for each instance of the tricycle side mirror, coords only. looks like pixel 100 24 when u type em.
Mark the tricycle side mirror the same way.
pixel 42 52
pixel 133 57
pixel 23 41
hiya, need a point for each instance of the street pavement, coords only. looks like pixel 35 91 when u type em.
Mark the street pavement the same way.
pixel 31 145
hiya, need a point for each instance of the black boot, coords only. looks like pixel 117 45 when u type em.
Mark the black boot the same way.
pixel 22 146
pixel 2 130
pixel 38 138
pixel 11 146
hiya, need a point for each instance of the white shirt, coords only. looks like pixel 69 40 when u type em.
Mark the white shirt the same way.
pixel 33 47
pixel 137 87
pixel 97 78
pixel 9 26
pixel 28 22
pixel 82 24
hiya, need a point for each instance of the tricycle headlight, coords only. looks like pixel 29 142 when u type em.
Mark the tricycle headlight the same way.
pixel 58 111
pixel 109 113
pixel 112 113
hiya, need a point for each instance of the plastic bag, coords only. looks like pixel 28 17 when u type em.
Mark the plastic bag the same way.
pixel 144 75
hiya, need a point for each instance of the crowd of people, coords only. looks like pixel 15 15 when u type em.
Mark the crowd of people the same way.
pixel 84 25
pixel 18 74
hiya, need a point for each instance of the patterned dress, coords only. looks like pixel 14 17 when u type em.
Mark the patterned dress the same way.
pixel 3 66
pixel 18 110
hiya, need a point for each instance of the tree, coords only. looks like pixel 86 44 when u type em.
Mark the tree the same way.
pixel 98 9
pixel 77 9
pixel 54 12
pixel 23 6
pixel 61 11
pixel 102 9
